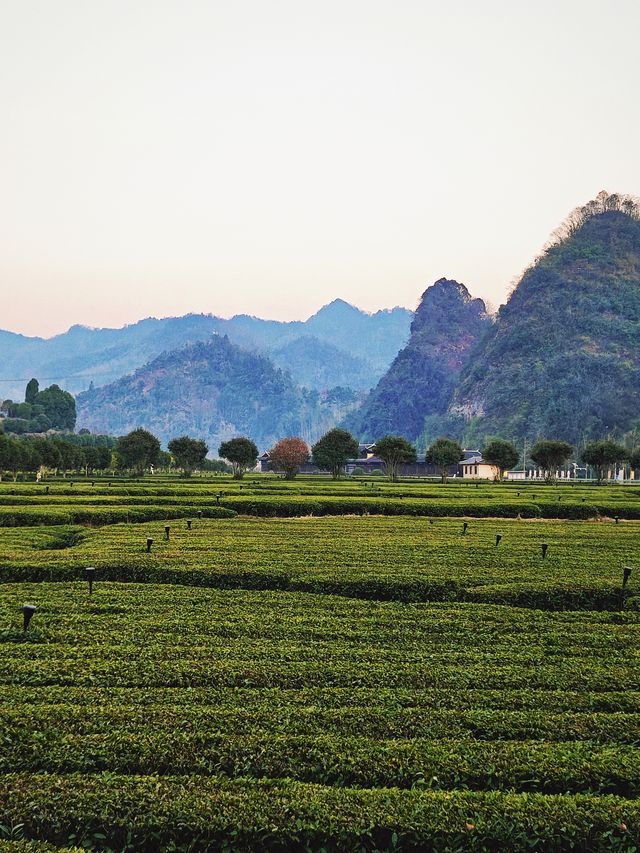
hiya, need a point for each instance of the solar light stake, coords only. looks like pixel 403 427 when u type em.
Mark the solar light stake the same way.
pixel 199 513
pixel 27 612
pixel 465 524
pixel 46 489
pixel 626 572
pixel 544 547
pixel 166 532
pixel 90 574
pixel 617 519
pixel 217 499
pixel 149 544
pixel 188 524
pixel 498 538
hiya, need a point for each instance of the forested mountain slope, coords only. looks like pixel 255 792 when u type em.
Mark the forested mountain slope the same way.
pixel 563 359
pixel 446 327
pixel 211 390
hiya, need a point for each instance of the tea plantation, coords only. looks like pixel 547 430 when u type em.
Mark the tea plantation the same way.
pixel 315 666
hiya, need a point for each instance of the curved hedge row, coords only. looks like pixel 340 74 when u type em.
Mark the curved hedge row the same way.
pixel 543 596
pixel 376 558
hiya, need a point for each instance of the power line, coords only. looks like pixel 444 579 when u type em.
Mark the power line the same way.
pixel 72 376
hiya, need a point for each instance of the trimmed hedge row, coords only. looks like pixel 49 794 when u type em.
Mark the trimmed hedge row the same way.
pixel 100 517
pixel 282 701
pixel 478 724
pixel 286 507
pixel 541 596
pixel 548 596
pixel 25 511
pixel 211 744
pixel 194 813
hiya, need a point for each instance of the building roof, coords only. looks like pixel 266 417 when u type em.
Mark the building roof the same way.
pixel 472 457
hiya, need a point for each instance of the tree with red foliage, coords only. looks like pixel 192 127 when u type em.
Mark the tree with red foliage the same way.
pixel 288 455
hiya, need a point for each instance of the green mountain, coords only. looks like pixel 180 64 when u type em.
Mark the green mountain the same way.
pixel 563 359
pixel 211 390
pixel 420 382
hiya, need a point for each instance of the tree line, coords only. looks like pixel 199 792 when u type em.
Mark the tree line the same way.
pixel 332 452
pixel 140 451
pixel 135 453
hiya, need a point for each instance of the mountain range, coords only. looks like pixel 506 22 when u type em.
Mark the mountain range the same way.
pixel 560 360
pixel 338 341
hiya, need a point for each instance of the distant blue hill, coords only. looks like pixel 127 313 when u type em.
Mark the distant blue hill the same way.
pixel 343 344
pixel 212 390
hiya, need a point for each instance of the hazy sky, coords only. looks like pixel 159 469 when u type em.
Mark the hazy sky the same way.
pixel 266 157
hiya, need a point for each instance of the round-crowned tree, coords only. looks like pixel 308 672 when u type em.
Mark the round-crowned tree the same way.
pixel 601 455
pixel 241 452
pixel 443 453
pixel 395 450
pixel 550 455
pixel 189 453
pixel 288 455
pixel 137 451
pixel 333 450
pixel 501 454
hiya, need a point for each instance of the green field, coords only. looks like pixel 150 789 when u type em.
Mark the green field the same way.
pixel 309 681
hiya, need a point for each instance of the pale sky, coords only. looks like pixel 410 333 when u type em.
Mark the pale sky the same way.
pixel 243 156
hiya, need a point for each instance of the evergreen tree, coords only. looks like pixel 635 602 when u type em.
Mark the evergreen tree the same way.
pixel 138 450
pixel 241 452
pixel 32 390
pixel 550 455
pixel 501 454
pixel 601 455
pixel 333 450
pixel 394 450
pixel 189 453
pixel 444 452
